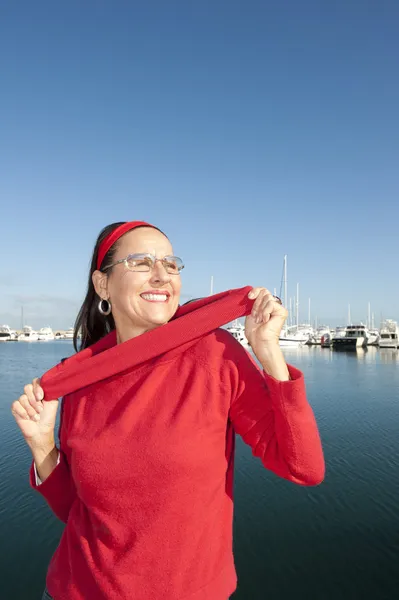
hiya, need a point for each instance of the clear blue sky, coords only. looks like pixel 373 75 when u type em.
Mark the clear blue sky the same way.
pixel 244 129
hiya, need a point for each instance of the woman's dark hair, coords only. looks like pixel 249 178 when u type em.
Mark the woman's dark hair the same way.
pixel 90 323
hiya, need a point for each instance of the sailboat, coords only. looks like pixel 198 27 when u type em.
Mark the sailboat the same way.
pixel 292 336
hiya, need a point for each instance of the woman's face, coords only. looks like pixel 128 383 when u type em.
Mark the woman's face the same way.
pixel 134 311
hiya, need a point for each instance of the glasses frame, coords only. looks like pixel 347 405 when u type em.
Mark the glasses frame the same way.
pixel 153 259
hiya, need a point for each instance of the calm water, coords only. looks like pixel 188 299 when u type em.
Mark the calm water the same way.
pixel 338 541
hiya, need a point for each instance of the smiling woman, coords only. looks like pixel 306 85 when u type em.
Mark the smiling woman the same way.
pixel 122 269
pixel 140 281
pixel 143 475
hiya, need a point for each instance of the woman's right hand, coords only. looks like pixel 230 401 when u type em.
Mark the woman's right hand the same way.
pixel 35 418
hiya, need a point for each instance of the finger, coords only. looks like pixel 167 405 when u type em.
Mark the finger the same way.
pixel 266 310
pixel 23 410
pixel 29 409
pixel 273 309
pixel 38 392
pixel 19 412
pixel 28 389
pixel 254 293
pixel 263 294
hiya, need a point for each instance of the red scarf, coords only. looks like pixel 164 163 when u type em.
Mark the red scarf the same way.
pixel 106 358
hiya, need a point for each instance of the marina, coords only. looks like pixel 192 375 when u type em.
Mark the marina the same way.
pixel 28 334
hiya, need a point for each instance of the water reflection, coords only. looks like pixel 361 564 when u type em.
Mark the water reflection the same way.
pixel 388 355
pixel 370 354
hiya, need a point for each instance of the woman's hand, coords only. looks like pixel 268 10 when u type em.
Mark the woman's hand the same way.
pixel 263 326
pixel 35 418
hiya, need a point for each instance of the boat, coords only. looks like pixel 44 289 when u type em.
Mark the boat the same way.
pixel 374 337
pixel 326 340
pixel 373 331
pixel 28 335
pixel 237 330
pixel 389 334
pixel 45 334
pixel 69 334
pixel 7 334
pixel 293 336
pixel 321 331
pixel 306 330
pixel 356 336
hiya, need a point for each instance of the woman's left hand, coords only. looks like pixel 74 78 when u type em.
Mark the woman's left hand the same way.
pixel 263 326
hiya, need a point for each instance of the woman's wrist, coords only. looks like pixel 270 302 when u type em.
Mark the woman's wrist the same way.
pixel 45 459
pixel 272 360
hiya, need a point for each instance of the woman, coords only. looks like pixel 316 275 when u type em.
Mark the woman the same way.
pixel 143 477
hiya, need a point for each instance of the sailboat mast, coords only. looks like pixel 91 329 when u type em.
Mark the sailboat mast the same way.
pixel 285 280
pixel 297 305
pixel 211 292
pixel 309 313
pixel 369 317
pixel 290 317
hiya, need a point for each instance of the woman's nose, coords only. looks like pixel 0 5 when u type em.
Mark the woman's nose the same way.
pixel 159 272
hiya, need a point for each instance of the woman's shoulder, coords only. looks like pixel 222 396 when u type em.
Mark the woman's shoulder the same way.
pixel 220 344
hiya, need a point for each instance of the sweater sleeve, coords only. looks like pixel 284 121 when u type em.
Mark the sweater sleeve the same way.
pixel 58 489
pixel 275 419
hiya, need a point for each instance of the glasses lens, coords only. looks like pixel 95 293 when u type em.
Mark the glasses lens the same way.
pixel 173 264
pixel 139 262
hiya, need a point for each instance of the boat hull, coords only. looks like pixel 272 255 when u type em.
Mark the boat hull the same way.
pixel 388 344
pixel 292 342
pixel 349 343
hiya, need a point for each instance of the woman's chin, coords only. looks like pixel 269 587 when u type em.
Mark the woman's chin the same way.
pixel 158 316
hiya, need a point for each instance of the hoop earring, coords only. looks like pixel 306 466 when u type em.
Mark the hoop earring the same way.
pixel 107 311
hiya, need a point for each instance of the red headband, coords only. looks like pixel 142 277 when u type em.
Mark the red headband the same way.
pixel 115 235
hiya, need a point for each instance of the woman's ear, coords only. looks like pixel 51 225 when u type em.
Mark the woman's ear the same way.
pixel 100 282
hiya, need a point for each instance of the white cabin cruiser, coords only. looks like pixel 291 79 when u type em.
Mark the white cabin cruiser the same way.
pixel 356 336
pixel 45 334
pixel 28 335
pixel 7 334
pixel 389 334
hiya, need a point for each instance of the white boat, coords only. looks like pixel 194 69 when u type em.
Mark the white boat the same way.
pixel 321 331
pixel 374 337
pixel 237 330
pixel 356 336
pixel 373 331
pixel 7 334
pixel 306 330
pixel 45 334
pixel 327 340
pixel 389 334
pixel 69 334
pixel 28 335
pixel 293 336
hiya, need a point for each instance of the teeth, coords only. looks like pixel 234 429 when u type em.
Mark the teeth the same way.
pixel 159 297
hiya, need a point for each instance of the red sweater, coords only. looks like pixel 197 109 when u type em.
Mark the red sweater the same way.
pixel 145 480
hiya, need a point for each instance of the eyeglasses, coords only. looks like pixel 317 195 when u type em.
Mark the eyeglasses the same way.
pixel 143 263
